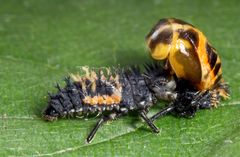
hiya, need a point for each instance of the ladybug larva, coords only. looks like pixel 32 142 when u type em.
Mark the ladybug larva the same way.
pixel 111 94
pixel 188 54
pixel 116 92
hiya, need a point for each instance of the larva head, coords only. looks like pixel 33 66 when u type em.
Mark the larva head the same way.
pixel 164 89
pixel 160 82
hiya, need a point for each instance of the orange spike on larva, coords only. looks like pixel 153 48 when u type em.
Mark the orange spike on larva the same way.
pixel 109 100
pixel 100 100
pixel 94 100
pixel 116 98
pixel 87 100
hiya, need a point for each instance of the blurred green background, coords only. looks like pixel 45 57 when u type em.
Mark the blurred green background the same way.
pixel 43 41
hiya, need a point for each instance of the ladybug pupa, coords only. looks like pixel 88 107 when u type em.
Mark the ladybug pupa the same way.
pixel 188 54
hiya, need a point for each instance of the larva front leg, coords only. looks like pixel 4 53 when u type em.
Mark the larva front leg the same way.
pixel 162 112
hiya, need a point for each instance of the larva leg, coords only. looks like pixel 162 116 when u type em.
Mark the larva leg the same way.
pixel 101 121
pixel 149 122
pixel 164 111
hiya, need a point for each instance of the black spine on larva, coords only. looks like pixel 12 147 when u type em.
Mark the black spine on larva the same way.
pixel 155 70
pixel 136 94
pixel 65 101
pixel 128 101
pixel 155 73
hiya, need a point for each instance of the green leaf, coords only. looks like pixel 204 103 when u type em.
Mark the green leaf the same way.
pixel 43 41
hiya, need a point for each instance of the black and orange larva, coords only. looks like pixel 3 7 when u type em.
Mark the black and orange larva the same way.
pixel 122 90
pixel 188 54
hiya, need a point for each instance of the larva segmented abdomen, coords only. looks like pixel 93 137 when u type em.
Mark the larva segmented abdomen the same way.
pixel 85 95
pixel 120 90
